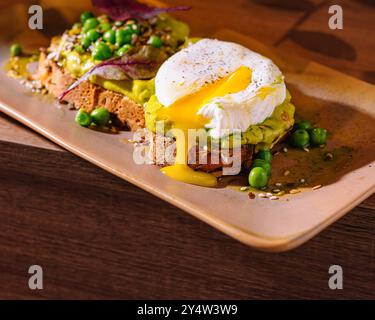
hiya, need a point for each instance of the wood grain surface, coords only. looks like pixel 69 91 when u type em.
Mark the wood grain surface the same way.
pixel 97 236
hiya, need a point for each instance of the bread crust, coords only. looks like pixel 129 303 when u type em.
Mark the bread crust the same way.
pixel 89 96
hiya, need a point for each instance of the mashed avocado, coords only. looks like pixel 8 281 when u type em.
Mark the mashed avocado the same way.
pixel 77 64
pixel 264 135
pixel 138 90
pixel 77 61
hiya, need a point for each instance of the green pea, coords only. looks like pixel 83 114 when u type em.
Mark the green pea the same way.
pixel 258 177
pixel 300 139
pixel 263 164
pixel 265 155
pixel 93 35
pixel 100 116
pixel 155 41
pixel 133 28
pixel 305 125
pixel 85 16
pixel 101 52
pixel 15 50
pixel 85 42
pixel 124 49
pixel 89 24
pixel 83 118
pixel 110 36
pixel 105 27
pixel 318 136
pixel 123 37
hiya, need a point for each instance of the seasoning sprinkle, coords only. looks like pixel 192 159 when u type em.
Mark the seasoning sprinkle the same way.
pixel 306 149
pixel 286 173
pixel 285 149
pixel 244 188
pixel 276 190
pixel 281 193
pixel 274 198
pixel 317 187
pixel 328 156
pixel 294 191
pixel 262 195
pixel 278 184
pixel 302 180
pixel 269 194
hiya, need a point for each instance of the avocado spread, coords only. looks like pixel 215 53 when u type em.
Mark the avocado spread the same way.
pixel 264 135
pixel 77 59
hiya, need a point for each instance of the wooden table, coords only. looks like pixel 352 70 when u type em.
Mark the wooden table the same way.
pixel 97 236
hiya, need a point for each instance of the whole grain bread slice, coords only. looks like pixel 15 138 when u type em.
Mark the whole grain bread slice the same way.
pixel 89 96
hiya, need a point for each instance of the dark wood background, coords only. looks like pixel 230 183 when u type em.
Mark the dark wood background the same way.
pixel 97 236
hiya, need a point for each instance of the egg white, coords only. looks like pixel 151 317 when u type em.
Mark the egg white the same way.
pixel 206 62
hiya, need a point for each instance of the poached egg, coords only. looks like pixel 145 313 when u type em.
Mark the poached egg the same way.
pixel 219 86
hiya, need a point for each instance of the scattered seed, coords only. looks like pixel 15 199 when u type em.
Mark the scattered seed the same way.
pixel 276 190
pixel 317 187
pixel 262 195
pixel 285 149
pixel 306 149
pixel 274 198
pixel 286 173
pixel 263 188
pixel 251 195
pixel 244 188
pixel 302 181
pixel 278 184
pixel 281 193
pixel 294 191
pixel 328 156
pixel 322 146
pixel 269 194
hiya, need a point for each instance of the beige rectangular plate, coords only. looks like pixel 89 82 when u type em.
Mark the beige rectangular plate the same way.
pixel 341 103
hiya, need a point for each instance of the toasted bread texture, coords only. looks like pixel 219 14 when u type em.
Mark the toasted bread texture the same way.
pixel 162 152
pixel 89 96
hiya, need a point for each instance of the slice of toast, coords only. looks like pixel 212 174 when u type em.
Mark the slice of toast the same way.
pixel 162 152
pixel 89 96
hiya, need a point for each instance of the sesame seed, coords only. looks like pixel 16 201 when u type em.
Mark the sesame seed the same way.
pixel 302 181
pixel 285 149
pixel 286 173
pixel 294 191
pixel 317 187
pixel 276 190
pixel 281 193
pixel 274 198
pixel 278 184
pixel 328 156
pixel 269 194
pixel 306 149
pixel 262 195
pixel 244 188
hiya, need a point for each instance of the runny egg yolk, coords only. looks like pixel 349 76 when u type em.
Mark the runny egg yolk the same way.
pixel 183 114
